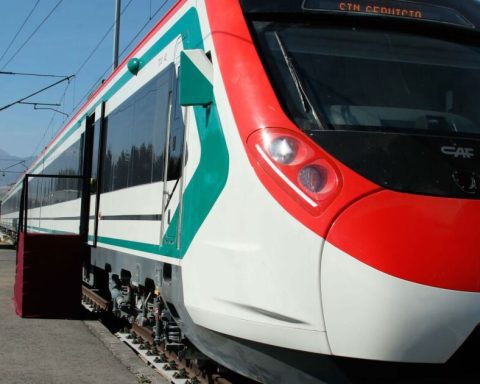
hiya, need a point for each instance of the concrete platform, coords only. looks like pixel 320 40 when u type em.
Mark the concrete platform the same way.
pixel 45 351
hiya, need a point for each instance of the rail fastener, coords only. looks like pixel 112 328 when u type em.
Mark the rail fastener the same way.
pixel 98 302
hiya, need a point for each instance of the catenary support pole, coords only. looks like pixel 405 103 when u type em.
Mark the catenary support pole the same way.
pixel 116 33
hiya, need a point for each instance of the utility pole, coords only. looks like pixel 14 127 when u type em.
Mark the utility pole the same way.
pixel 116 33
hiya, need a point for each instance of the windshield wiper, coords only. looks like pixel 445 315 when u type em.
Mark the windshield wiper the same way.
pixel 306 103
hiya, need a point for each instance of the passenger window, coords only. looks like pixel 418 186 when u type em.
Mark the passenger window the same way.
pixel 135 136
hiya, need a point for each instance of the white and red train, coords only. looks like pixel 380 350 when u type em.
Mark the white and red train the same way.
pixel 297 179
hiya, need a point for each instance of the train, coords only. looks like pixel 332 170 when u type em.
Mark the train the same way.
pixel 296 181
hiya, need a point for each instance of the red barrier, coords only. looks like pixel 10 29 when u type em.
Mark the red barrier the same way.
pixel 48 281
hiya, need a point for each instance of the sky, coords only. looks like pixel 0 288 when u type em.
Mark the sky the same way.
pixel 62 38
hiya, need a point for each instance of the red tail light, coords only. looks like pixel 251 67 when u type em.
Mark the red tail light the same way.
pixel 297 165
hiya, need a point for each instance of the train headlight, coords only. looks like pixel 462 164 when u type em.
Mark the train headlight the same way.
pixel 313 178
pixel 298 166
pixel 283 150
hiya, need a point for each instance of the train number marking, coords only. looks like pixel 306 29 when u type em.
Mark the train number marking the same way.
pixel 163 59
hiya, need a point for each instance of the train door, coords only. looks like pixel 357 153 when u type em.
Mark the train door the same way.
pixel 92 174
pixel 172 175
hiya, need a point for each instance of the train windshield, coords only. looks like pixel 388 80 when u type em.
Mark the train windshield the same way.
pixel 364 79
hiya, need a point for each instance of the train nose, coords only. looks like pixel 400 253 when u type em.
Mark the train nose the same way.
pixel 427 240
pixel 400 277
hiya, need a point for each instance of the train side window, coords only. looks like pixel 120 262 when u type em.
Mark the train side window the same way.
pixel 56 190
pixel 135 136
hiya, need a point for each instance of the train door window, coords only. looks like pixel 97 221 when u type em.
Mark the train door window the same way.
pixel 177 134
pixel 95 156
pixel 165 83
pixel 107 163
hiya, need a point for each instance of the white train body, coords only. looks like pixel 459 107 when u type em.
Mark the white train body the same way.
pixel 255 262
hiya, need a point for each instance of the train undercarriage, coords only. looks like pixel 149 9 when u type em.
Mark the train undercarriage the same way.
pixel 144 320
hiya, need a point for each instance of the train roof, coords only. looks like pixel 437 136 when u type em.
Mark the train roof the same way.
pixel 462 14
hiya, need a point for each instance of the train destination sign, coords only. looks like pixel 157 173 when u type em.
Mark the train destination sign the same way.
pixel 368 8
pixel 393 8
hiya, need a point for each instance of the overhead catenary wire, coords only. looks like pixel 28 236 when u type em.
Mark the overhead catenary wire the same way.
pixel 26 42
pixel 88 58
pixel 90 55
pixel 143 27
pixel 5 170
pixel 36 93
pixel 101 77
pixel 18 172
pixel 44 106
pixel 40 142
pixel 32 34
pixel 92 88
pixel 102 39
pixel 19 30
pixel 49 125
pixel 13 165
pixel 29 74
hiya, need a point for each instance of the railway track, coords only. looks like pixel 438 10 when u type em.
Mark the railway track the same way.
pixel 179 363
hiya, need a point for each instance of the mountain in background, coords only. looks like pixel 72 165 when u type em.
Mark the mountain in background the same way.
pixel 11 168
pixel 5 154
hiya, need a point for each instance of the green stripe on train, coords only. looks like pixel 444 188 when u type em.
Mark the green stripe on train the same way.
pixel 211 175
